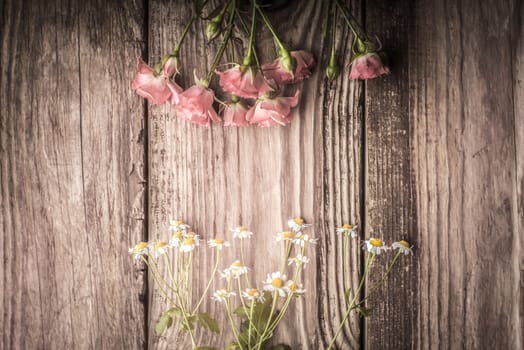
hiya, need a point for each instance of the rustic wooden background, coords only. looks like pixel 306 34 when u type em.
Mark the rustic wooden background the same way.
pixel 433 153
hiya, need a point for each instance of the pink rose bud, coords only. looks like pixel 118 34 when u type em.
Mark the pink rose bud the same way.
pixel 234 114
pixel 171 66
pixel 367 66
pixel 247 84
pixel 272 111
pixel 196 105
pixel 277 71
pixel 155 87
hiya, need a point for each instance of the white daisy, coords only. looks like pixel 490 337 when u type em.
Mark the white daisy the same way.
pixel 177 239
pixel 178 225
pixel 297 224
pixel 276 283
pixel 253 294
pixel 298 260
pixel 403 246
pixel 348 230
pixel 222 295
pixel 235 270
pixel 294 288
pixel 189 244
pixel 285 236
pixel 241 232
pixel 374 245
pixel 301 239
pixel 218 243
pixel 138 250
pixel 160 248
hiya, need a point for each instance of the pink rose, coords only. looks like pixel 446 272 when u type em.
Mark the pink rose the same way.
pixel 247 84
pixel 170 67
pixel 155 87
pixel 196 105
pixel 272 111
pixel 367 66
pixel 235 114
pixel 275 70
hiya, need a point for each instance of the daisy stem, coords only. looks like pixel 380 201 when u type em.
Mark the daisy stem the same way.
pixel 290 295
pixel 224 42
pixel 286 251
pixel 344 257
pixel 159 285
pixel 215 268
pixel 266 328
pixel 369 262
pixel 170 270
pixel 251 324
pixel 383 279
pixel 188 280
pixel 251 308
pixel 230 316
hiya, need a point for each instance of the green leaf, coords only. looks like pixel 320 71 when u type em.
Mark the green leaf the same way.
pixel 239 311
pixel 365 312
pixel 164 322
pixel 208 322
pixel 188 323
pixel 281 347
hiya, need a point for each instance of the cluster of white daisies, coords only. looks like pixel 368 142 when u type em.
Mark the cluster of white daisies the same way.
pixel 375 245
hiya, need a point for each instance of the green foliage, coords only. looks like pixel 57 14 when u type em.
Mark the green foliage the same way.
pixel 281 347
pixel 186 323
pixel 250 332
pixel 206 321
pixel 166 320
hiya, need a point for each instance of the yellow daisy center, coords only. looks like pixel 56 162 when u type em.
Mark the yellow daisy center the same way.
pixel 404 243
pixel 303 237
pixel 191 234
pixel 293 287
pixel 140 246
pixel 299 221
pixel 243 229
pixel 252 292
pixel 178 222
pixel 188 241
pixel 160 245
pixel 177 235
pixel 236 264
pixel 218 241
pixel 277 282
pixel 376 242
pixel 347 227
pixel 287 234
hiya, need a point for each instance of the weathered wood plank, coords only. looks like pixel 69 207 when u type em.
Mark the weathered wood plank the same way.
pixel 218 178
pixel 68 141
pixel 462 105
pixel 517 58
pixel 390 185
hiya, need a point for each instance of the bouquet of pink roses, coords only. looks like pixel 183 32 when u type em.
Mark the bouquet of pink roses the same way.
pixel 255 92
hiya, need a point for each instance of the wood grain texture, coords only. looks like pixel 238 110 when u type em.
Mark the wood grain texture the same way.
pixel 390 185
pixel 70 155
pixel 517 60
pixel 218 178
pixel 462 100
